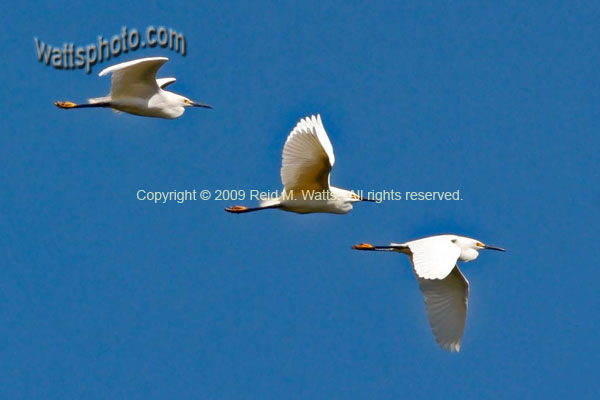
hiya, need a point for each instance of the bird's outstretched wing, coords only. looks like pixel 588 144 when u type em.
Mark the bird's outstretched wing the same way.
pixel 446 301
pixel 307 157
pixel 433 257
pixel 135 78
pixel 164 82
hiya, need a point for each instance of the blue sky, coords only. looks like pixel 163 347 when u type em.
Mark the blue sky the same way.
pixel 105 296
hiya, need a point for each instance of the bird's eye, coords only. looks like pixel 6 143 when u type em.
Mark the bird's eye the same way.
pixel 453 240
pixel 479 244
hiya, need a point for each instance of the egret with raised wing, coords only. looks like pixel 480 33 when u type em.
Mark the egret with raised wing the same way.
pixel 306 163
pixel 445 288
pixel 136 90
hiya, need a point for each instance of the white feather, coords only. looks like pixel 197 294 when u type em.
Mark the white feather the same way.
pixel 433 257
pixel 164 82
pixel 446 302
pixel 135 78
pixel 307 157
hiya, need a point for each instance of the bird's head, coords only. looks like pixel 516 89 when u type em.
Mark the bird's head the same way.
pixel 189 103
pixel 345 199
pixel 350 196
pixel 470 247
pixel 174 104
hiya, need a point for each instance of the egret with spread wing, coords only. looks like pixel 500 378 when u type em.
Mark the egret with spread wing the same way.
pixel 136 90
pixel 306 163
pixel 445 288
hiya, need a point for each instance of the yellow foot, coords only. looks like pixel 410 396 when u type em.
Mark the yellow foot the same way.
pixel 236 209
pixel 64 104
pixel 363 246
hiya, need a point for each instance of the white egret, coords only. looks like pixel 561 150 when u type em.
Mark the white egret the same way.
pixel 306 163
pixel 136 90
pixel 445 288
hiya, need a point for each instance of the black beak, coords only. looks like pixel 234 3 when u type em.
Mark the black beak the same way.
pixel 369 200
pixel 194 104
pixel 493 248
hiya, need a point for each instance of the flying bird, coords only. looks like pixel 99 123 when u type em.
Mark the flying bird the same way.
pixel 306 163
pixel 136 90
pixel 445 288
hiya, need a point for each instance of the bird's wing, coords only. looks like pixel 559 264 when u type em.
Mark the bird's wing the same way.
pixel 164 82
pixel 433 257
pixel 446 301
pixel 135 78
pixel 307 156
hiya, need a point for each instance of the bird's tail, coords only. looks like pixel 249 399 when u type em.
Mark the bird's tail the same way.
pixel 402 247
pixel 96 100
pixel 270 202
